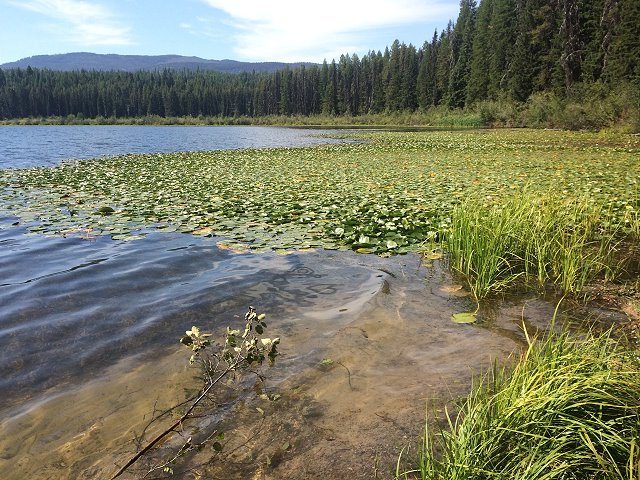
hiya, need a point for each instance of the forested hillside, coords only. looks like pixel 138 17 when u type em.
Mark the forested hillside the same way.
pixel 504 50
pixel 133 63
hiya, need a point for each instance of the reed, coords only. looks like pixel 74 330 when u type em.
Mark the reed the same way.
pixel 568 409
pixel 531 239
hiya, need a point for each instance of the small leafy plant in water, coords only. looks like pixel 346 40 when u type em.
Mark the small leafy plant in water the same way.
pixel 243 352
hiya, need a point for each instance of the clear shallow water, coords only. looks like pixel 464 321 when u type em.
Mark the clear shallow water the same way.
pixel 32 145
pixel 89 333
pixel 70 307
pixel 86 324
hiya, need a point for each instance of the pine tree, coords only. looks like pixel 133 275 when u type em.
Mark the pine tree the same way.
pixel 423 88
pixel 591 39
pixel 284 103
pixel 502 39
pixel 443 66
pixel 478 86
pixel 408 75
pixel 572 47
pixel 330 100
pixel 462 50
pixel 624 55
pixel 393 78
pixel 378 96
pixel 522 71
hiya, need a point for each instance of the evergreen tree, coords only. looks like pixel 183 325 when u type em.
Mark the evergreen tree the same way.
pixel 591 39
pixel 478 85
pixel 461 52
pixel 423 90
pixel 624 55
pixel 502 39
pixel 443 66
pixel 572 47
pixel 408 77
pixel 522 71
pixel 393 78
pixel 378 103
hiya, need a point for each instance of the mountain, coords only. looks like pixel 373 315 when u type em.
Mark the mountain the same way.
pixel 132 63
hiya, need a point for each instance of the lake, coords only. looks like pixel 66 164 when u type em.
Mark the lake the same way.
pixel 89 330
pixel 31 145
pixel 71 305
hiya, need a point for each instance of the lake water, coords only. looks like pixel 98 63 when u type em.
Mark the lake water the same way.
pixel 69 306
pixel 89 330
pixel 30 145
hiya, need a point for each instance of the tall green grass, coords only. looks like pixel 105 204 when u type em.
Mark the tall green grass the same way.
pixel 533 240
pixel 568 409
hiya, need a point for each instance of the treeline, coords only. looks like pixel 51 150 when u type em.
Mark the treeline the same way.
pixel 497 50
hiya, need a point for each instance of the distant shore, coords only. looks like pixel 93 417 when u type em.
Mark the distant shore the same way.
pixel 441 119
pixel 485 116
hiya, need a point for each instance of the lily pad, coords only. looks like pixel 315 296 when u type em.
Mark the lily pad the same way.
pixel 464 318
pixel 105 211
pixel 397 188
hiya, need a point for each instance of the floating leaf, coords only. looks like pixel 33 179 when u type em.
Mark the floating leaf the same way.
pixel 397 187
pixel 466 317
pixel 105 211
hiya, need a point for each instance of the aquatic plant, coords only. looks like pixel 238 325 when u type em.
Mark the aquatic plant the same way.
pixel 533 239
pixel 386 195
pixel 242 352
pixel 568 409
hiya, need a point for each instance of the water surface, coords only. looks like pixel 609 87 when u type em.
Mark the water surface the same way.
pixel 89 331
pixel 38 145
pixel 69 307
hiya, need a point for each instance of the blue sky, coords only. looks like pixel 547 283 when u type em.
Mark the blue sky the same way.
pixel 252 30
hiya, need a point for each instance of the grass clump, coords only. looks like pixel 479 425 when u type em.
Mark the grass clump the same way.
pixel 569 409
pixel 532 239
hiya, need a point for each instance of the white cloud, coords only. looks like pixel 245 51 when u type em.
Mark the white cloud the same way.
pixel 204 28
pixel 80 21
pixel 293 30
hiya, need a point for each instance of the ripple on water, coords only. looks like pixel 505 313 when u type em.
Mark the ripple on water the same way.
pixel 79 320
pixel 70 307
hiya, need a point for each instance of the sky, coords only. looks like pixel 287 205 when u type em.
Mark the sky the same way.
pixel 248 30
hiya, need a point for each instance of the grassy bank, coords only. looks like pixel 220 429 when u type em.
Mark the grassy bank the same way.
pixel 568 409
pixel 437 117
